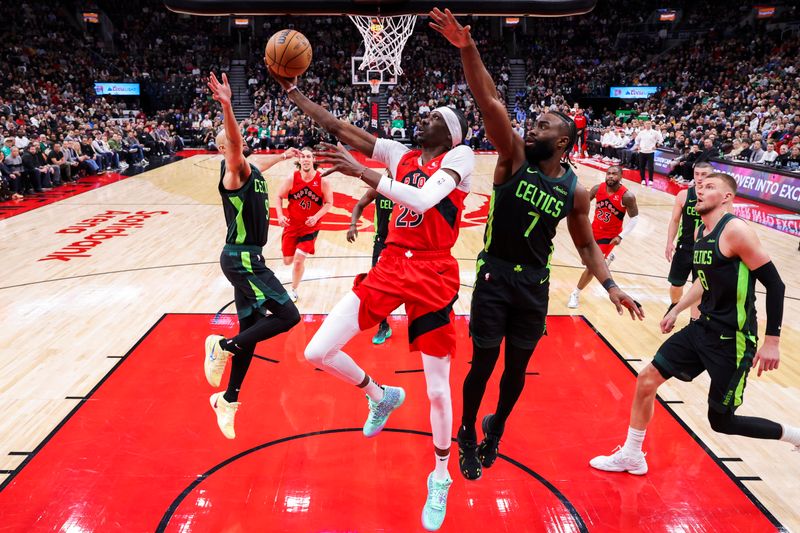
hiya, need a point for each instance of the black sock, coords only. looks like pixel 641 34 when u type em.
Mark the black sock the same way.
pixel 239 365
pixel 229 346
pixel 253 329
pixel 483 361
pixel 467 433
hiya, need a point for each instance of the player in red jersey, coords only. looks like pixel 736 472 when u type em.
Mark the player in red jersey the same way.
pixel 428 186
pixel 310 197
pixel 612 201
pixel 580 125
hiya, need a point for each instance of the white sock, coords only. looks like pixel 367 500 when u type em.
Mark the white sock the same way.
pixel 374 391
pixel 440 473
pixel 790 434
pixel 633 444
pixel 577 291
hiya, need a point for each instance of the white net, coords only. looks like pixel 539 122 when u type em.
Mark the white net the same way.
pixel 375 85
pixel 384 39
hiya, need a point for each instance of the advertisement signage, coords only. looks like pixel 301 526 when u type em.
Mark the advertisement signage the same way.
pixel 116 89
pixel 769 187
pixel 639 91
pixel 663 158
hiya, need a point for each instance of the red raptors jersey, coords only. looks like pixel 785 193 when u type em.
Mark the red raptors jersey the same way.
pixel 608 212
pixel 305 200
pixel 436 229
pixel 580 121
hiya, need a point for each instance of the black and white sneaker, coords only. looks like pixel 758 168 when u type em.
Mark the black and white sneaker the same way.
pixel 469 462
pixel 487 450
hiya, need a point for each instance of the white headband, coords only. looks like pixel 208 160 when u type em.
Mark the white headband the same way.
pixel 451 119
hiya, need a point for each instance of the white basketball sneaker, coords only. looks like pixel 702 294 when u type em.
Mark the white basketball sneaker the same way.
pixel 226 412
pixel 621 461
pixel 292 295
pixel 215 359
pixel 574 299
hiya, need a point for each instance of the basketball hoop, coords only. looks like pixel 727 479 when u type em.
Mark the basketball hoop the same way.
pixel 384 40
pixel 375 86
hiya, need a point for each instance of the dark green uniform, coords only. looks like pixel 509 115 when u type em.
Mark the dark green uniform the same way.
pixel 723 339
pixel 247 216
pixel 513 272
pixel 383 214
pixel 682 258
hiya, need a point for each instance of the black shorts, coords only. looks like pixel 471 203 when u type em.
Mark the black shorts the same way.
pixel 681 266
pixel 254 285
pixel 508 301
pixel 377 248
pixel 726 355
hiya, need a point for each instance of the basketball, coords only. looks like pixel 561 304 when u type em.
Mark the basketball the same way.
pixel 288 53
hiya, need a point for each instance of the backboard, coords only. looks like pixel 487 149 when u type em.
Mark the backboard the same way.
pixel 536 8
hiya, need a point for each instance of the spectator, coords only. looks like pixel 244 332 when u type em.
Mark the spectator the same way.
pixel 646 143
pixel 11 179
pixel 770 155
pixel 756 153
pixel 57 159
pixel 32 174
pixel 792 162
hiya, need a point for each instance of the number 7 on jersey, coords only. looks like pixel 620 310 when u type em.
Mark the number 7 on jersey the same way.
pixel 535 216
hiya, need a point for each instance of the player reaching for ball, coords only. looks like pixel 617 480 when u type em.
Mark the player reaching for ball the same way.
pixel 256 289
pixel 417 269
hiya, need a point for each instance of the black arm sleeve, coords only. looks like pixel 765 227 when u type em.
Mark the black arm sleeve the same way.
pixel 768 276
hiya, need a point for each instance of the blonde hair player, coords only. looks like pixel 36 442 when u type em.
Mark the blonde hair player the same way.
pixel 728 259
pixel 256 290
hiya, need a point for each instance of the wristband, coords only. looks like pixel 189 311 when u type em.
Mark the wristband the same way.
pixel 609 284
pixel 290 89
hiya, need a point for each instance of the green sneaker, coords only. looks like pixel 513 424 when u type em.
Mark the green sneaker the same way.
pixel 384 332
pixel 393 397
pixel 436 504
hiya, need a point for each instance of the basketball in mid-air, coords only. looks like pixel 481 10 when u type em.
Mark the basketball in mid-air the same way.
pixel 288 53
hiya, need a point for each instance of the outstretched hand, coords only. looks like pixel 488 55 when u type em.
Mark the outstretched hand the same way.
pixel 339 159
pixel 291 153
pixel 446 24
pixel 622 301
pixel 221 91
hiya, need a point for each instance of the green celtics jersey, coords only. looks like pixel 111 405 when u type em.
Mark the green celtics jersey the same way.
pixel 524 213
pixel 383 214
pixel 690 220
pixel 729 293
pixel 246 210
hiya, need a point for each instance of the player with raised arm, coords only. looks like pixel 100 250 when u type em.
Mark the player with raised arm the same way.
pixel 533 191
pixel 256 290
pixel 428 185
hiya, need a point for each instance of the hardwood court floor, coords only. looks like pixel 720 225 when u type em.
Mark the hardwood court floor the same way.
pixel 72 306
pixel 300 462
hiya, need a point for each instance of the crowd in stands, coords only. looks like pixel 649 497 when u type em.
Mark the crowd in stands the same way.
pixel 731 90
